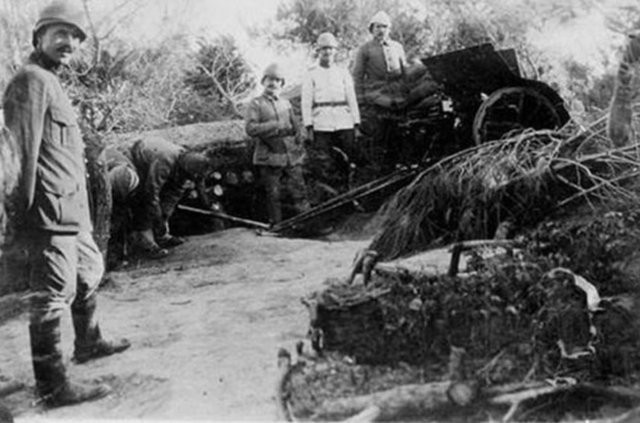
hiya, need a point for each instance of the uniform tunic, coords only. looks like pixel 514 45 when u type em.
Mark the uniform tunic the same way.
pixel 328 99
pixel 162 182
pixel 63 257
pixel 378 62
pixel 278 153
pixel 329 105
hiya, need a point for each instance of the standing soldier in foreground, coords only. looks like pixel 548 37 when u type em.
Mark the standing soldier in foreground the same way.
pixel 65 263
pixel 330 115
pixel 279 152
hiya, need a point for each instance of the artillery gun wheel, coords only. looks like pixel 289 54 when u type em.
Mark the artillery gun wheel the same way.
pixel 514 109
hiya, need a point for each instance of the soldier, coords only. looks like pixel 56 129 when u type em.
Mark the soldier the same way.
pixel 65 263
pixel 279 153
pixel 165 170
pixel 123 181
pixel 379 62
pixel 330 115
pixel 379 71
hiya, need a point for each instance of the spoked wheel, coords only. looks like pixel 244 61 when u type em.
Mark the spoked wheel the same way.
pixel 513 109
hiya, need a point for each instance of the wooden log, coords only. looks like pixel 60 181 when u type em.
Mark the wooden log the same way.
pixel 369 414
pixel 8 388
pixel 284 374
pixel 403 401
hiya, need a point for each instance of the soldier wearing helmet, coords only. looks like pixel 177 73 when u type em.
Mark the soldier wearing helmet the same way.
pixel 278 153
pixel 65 264
pixel 330 115
pixel 379 72
pixel 379 61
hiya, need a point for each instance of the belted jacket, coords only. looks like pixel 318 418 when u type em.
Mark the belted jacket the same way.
pixel 328 100
pixel 53 187
pixel 271 122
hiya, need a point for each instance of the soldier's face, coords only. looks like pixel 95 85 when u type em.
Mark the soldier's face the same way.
pixel 380 31
pixel 59 42
pixel 326 54
pixel 272 85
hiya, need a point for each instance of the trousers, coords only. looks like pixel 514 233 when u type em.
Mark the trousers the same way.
pixel 65 270
pixel 280 183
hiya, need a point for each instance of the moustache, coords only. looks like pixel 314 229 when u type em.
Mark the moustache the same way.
pixel 65 49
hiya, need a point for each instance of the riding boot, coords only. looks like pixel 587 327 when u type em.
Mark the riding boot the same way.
pixel 52 384
pixel 89 343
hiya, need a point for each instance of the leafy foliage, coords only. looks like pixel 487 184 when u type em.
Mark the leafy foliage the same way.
pixel 221 74
pixel 597 247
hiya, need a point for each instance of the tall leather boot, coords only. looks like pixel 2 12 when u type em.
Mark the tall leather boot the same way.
pixel 52 384
pixel 89 343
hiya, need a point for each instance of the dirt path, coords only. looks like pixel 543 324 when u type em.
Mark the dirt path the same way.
pixel 205 325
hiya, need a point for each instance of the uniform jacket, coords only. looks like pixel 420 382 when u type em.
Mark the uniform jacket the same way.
pixel 162 181
pixel 378 62
pixel 271 122
pixel 53 188
pixel 123 176
pixel 328 99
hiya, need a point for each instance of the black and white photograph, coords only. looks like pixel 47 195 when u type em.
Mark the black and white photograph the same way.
pixel 320 210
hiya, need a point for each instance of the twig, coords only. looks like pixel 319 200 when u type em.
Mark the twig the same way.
pixel 10 387
pixel 284 368
pixel 369 414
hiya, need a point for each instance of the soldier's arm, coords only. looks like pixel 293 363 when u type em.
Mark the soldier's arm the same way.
pixel 306 100
pixel 159 171
pixel 294 123
pixel 25 105
pixel 256 128
pixel 172 194
pixel 358 71
pixel 402 57
pixel 351 98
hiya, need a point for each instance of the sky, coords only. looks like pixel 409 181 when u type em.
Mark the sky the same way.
pixel 151 20
pixel 582 38
pixel 144 21
pixel 585 39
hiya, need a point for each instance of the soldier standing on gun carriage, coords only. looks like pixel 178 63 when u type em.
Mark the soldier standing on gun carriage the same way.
pixel 379 71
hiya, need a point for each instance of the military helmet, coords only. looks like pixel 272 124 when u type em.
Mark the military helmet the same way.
pixel 60 12
pixel 380 18
pixel 274 71
pixel 196 165
pixel 326 39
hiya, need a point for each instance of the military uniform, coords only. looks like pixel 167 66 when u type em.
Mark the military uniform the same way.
pixel 163 182
pixel 278 153
pixel 123 182
pixel 330 110
pixel 379 70
pixel 65 264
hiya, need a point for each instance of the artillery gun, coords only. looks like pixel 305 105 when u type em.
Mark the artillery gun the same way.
pixel 461 99
pixel 458 100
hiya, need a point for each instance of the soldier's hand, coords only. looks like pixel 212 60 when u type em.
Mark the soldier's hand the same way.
pixel 285 129
pixel 357 132
pixel 309 133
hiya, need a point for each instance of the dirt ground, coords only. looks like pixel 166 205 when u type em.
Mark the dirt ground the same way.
pixel 205 326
